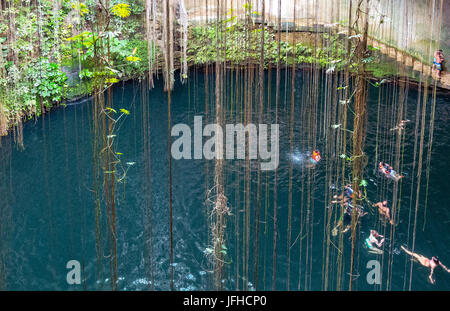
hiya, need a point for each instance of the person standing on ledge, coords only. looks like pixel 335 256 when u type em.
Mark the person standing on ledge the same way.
pixel 437 62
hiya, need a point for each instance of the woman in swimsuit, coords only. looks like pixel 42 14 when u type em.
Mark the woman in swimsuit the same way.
pixel 429 263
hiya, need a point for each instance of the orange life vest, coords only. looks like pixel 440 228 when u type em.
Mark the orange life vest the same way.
pixel 316 156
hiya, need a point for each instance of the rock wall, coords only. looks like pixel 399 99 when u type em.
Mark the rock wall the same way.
pixel 404 24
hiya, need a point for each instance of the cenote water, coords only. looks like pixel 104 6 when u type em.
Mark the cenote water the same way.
pixel 47 201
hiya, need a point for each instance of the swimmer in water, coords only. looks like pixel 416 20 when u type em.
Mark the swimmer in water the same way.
pixel 372 242
pixel 388 171
pixel 383 209
pixel 429 263
pixel 400 126
pixel 315 157
pixel 346 219
pixel 346 196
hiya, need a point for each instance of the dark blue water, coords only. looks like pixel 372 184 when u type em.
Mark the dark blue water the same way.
pixel 47 200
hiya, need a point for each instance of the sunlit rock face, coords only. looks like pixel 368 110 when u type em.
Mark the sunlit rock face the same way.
pixel 403 23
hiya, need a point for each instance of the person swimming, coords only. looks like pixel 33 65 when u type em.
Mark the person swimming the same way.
pixel 346 196
pixel 400 126
pixel 432 263
pixel 315 157
pixel 372 242
pixel 383 209
pixel 346 219
pixel 388 171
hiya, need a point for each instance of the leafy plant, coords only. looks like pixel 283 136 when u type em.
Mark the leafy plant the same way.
pixel 80 7
pixel 132 59
pixel 121 10
pixel 48 82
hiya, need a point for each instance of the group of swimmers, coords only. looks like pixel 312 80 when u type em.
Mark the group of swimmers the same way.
pixel 375 240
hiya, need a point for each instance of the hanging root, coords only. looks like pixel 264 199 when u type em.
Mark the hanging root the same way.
pixel 218 202
pixel 3 122
pixel 183 41
pixel 221 207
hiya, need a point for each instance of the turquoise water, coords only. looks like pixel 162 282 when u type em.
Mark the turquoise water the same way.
pixel 47 203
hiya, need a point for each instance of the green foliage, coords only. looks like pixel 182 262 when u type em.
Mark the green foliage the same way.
pixel 130 57
pixel 121 10
pixel 48 81
pixel 80 7
pixel 124 111
pixel 49 38
pixel 382 68
pixel 203 45
pixel 85 40
pixel 112 80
